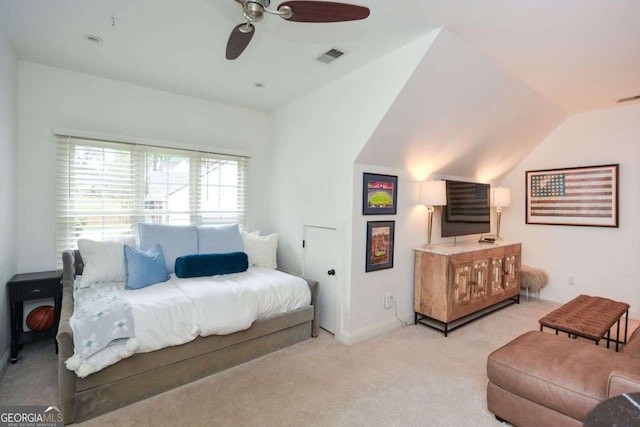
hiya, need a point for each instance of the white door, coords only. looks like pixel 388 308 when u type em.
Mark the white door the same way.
pixel 320 264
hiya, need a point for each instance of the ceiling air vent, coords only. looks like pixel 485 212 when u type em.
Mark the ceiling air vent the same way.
pixel 92 38
pixel 629 99
pixel 330 56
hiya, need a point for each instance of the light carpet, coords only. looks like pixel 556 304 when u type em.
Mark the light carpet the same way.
pixel 411 376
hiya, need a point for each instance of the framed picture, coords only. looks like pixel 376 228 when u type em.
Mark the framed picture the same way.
pixel 585 196
pixel 380 236
pixel 379 194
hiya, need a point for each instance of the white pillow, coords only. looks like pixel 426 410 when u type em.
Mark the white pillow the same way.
pixel 261 250
pixel 103 261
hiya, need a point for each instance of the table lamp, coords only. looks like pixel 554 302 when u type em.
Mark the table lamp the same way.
pixel 501 199
pixel 433 193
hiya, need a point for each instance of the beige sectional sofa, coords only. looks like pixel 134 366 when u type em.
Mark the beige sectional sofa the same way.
pixel 542 379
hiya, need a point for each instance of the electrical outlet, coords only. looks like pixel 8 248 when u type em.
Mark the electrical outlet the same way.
pixel 571 281
pixel 388 300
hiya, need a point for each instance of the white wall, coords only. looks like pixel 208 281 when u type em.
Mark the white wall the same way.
pixel 54 98
pixel 8 144
pixel 314 143
pixel 602 261
pixel 369 317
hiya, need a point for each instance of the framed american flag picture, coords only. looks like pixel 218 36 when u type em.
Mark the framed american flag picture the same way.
pixel 585 196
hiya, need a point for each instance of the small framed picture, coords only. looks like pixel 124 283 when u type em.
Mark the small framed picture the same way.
pixel 379 194
pixel 573 196
pixel 380 235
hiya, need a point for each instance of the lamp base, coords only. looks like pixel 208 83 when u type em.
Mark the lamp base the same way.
pixel 429 225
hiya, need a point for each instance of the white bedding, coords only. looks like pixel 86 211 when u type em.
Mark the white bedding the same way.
pixel 162 316
pixel 231 302
pixel 177 311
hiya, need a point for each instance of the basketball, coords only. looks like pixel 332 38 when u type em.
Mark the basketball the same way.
pixel 41 318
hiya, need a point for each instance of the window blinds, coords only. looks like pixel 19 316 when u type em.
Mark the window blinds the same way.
pixel 104 189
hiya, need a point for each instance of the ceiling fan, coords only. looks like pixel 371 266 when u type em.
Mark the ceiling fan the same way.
pixel 296 11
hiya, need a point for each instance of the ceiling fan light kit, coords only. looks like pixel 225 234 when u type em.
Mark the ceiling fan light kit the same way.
pixel 295 11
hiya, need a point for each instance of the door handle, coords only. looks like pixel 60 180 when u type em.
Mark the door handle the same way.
pixel 331 272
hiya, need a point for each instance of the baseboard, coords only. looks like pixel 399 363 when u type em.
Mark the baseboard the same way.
pixel 4 364
pixel 409 319
pixel 369 332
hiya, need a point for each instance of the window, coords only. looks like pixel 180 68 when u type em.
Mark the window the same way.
pixel 104 189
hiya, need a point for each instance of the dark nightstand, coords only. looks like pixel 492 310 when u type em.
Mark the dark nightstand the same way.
pixel 31 286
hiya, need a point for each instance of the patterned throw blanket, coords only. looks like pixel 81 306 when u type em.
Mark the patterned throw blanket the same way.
pixel 103 329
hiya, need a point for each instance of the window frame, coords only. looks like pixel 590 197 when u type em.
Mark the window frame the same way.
pixel 134 177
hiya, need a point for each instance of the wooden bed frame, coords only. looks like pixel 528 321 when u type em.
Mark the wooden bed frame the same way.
pixel 146 374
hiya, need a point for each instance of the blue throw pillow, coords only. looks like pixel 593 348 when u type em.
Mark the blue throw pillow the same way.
pixel 199 265
pixel 219 239
pixel 144 268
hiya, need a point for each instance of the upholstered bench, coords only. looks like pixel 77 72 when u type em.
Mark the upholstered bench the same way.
pixel 589 317
pixel 544 379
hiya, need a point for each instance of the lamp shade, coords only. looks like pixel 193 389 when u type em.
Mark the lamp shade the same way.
pixel 433 193
pixel 501 197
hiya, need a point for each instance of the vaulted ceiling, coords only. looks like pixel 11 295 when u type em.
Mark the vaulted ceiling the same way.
pixel 579 54
pixel 460 115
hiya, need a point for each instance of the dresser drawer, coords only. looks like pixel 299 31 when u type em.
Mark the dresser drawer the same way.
pixel 36 290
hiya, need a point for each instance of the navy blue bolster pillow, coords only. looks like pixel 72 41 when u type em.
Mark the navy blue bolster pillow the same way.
pixel 199 265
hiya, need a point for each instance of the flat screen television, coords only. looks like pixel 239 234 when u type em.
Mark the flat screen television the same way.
pixel 467 210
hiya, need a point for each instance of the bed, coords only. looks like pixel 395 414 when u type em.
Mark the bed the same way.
pixel 146 374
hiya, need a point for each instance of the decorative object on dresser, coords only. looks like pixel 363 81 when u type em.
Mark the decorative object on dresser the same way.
pixel 379 194
pixel 380 235
pixel 573 196
pixel 432 194
pixel 454 285
pixel 501 199
pixel 28 287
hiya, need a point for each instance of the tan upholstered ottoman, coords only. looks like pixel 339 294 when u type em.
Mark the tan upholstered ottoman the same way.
pixel 543 379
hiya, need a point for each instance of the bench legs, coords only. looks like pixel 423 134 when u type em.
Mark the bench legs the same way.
pixel 607 335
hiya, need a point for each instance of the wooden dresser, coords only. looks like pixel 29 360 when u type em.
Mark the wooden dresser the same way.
pixel 456 284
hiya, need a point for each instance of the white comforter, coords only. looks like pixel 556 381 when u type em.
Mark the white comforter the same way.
pixel 177 311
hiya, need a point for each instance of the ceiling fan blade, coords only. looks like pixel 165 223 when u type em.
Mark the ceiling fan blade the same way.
pixel 324 11
pixel 239 40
